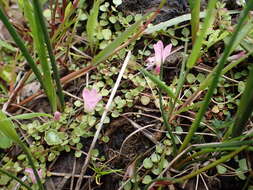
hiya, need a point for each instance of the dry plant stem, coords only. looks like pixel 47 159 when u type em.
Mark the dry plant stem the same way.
pixel 100 125
pixel 66 175
pixel 142 129
pixel 204 182
pixel 16 90
pixel 73 175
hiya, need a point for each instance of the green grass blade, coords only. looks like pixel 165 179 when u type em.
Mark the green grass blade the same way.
pixel 38 12
pixel 234 144
pixel 195 11
pixel 7 128
pixel 15 178
pixel 30 116
pixel 216 75
pixel 41 50
pixel 171 22
pixel 159 83
pixel 21 46
pixel 92 23
pixel 165 115
pixel 199 41
pixel 245 107
pixel 105 53
pixel 42 53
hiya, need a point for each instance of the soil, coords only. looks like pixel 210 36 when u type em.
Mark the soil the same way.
pixel 172 9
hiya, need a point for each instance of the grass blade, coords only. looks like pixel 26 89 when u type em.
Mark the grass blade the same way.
pixel 30 116
pixel 245 107
pixel 38 12
pixel 165 115
pixel 92 23
pixel 15 178
pixel 171 22
pixel 159 83
pixel 216 75
pixel 199 41
pixel 195 11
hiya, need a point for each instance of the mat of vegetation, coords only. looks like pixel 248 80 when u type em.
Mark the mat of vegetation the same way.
pixel 126 94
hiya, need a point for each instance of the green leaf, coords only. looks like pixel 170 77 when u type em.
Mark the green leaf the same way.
pixel 5 142
pixel 117 2
pixel 155 158
pixel 190 78
pixel 52 137
pixel 147 179
pixel 147 163
pixel 30 116
pixel 6 45
pixel 200 39
pixel 107 34
pixel 7 128
pixel 221 169
pixel 145 100
pixel 128 186
pixel 241 86
pixel 92 23
pixel 243 164
pixel 159 148
pixel 159 83
pixel 171 22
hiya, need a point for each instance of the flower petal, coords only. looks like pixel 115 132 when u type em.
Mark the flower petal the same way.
pixel 166 52
pixel 157 69
pixel 90 98
pixel 57 116
pixel 150 62
pixel 158 47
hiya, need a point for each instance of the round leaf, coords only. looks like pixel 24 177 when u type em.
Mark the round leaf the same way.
pixel 147 163
pixel 155 157
pixel 145 100
pixel 117 2
pixel 52 137
pixel 147 179
pixel 190 78
pixel 221 169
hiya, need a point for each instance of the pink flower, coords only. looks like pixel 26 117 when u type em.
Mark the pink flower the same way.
pixel 30 173
pixel 236 56
pixel 161 54
pixel 57 116
pixel 90 98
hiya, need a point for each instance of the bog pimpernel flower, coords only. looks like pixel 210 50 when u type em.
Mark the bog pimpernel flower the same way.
pixel 57 116
pixel 90 98
pixel 161 54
